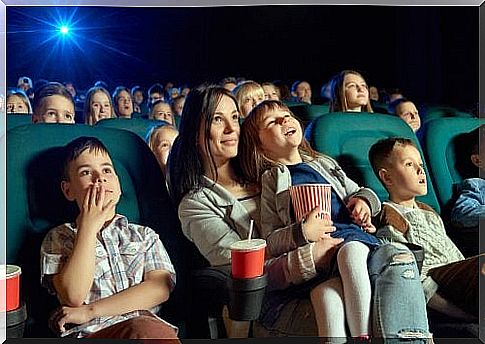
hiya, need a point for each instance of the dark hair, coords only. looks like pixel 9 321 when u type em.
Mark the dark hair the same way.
pixel 283 89
pixel 228 80
pixel 156 88
pixel 394 104
pixel 50 89
pixel 186 168
pixel 252 158
pixel 136 89
pixel 116 96
pixel 381 151
pixel 76 147
pixel 101 83
pixel 338 102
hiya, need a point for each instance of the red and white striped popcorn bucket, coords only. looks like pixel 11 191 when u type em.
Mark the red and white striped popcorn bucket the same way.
pixel 305 197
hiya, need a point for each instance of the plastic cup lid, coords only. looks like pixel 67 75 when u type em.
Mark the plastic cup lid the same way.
pixel 7 271
pixel 248 245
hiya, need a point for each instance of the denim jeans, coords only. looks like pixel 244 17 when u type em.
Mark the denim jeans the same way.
pixel 399 306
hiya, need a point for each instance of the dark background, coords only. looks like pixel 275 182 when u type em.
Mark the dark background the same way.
pixel 430 53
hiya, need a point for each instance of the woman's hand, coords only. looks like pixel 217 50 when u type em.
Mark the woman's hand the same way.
pixel 316 227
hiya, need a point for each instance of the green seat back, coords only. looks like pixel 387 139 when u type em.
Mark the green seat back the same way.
pixel 435 112
pixel 16 120
pixel 347 137
pixel 36 204
pixel 139 126
pixel 442 146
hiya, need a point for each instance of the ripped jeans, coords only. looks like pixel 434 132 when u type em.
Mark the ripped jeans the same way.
pixel 399 306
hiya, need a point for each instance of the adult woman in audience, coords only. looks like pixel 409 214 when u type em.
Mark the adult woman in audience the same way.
pixel 350 93
pixel 97 105
pixel 18 103
pixel 123 102
pixel 215 204
pixel 248 94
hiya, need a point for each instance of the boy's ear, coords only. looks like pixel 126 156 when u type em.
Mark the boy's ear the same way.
pixel 65 186
pixel 475 159
pixel 385 177
pixel 293 93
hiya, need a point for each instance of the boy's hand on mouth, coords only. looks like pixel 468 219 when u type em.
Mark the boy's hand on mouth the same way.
pixel 95 210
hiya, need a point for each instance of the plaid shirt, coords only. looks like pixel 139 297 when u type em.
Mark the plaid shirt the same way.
pixel 124 253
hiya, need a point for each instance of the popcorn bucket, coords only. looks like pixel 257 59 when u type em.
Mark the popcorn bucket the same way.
pixel 305 197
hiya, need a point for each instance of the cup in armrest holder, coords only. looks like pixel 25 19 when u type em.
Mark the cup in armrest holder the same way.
pixel 247 258
pixel 245 297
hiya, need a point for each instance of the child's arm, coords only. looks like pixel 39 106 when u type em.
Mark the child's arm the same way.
pixel 470 205
pixel 154 290
pixel 74 281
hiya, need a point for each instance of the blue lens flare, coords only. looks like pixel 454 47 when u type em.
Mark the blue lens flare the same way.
pixel 64 29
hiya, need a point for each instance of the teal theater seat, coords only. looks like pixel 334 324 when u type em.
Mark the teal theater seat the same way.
pixel 347 137
pixel 17 120
pixel 36 204
pixel 435 112
pixel 139 126
pixel 444 155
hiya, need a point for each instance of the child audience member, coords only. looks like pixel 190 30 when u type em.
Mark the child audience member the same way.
pixel 178 105
pixel 97 105
pixel 270 91
pixel 301 92
pixel 470 205
pixel 53 104
pixel 450 282
pixel 162 111
pixel 155 92
pixel 109 275
pixel 123 103
pixel 272 140
pixel 18 102
pixel 160 140
pixel 407 111
pixel 248 94
pixel 349 93
pixel 139 103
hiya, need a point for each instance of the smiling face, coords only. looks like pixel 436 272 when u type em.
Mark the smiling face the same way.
pixel 404 174
pixel 407 112
pixel 356 92
pixel 55 109
pixel 124 104
pixel 91 168
pixel 280 134
pixel 224 134
pixel 100 107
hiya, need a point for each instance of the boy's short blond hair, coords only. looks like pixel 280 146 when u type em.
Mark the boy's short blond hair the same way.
pixel 381 151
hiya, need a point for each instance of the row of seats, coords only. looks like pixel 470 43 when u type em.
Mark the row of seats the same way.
pixel 348 137
pixel 35 202
pixel 310 112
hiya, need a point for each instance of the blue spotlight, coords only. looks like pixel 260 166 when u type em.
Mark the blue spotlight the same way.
pixel 64 30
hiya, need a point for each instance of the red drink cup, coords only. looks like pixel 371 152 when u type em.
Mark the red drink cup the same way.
pixel 248 258
pixel 305 197
pixel 10 285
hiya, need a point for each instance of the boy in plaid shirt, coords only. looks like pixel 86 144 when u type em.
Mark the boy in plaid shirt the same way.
pixel 109 275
